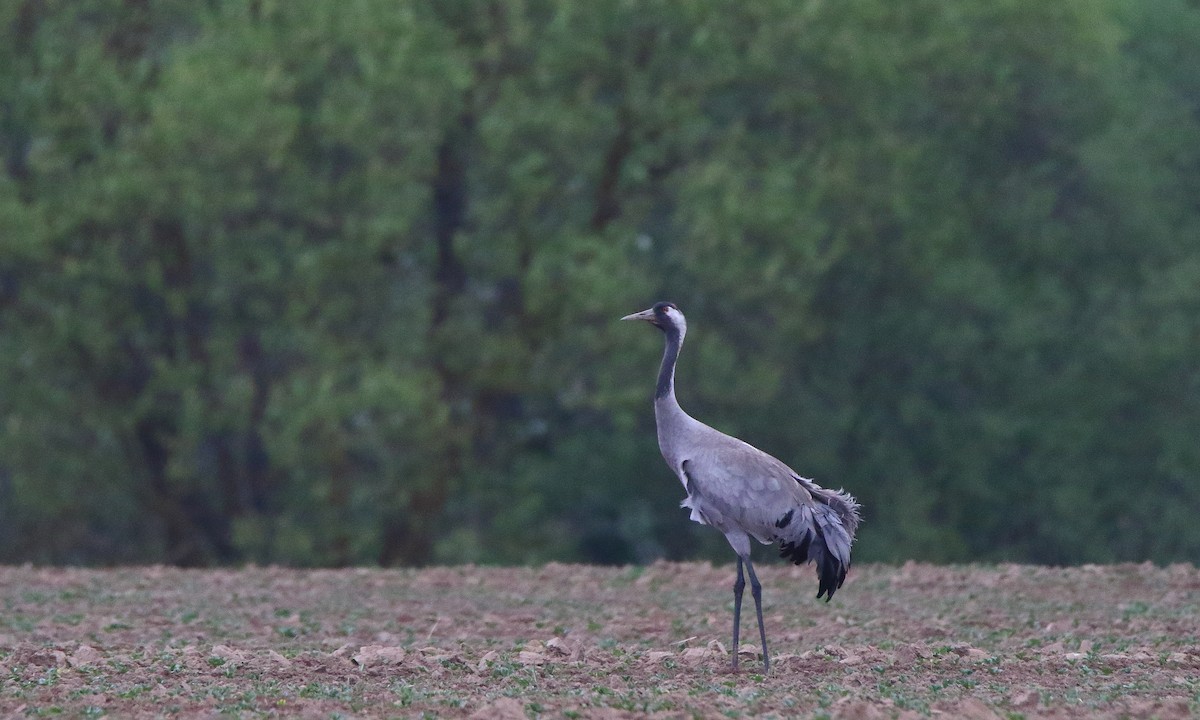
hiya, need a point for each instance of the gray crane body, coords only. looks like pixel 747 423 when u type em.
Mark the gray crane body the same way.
pixel 744 492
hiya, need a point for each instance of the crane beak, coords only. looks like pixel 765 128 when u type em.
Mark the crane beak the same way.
pixel 647 315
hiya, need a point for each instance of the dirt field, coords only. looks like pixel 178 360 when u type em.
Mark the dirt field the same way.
pixel 579 642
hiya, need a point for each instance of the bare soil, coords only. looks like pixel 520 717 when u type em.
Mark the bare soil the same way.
pixel 1005 641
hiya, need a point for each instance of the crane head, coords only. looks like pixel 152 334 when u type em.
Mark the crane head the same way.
pixel 664 316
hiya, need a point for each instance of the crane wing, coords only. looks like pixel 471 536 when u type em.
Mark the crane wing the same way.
pixel 735 486
pixel 741 491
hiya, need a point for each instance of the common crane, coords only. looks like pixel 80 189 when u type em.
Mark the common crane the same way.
pixel 744 492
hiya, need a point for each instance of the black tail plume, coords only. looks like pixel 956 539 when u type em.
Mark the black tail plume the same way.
pixel 820 537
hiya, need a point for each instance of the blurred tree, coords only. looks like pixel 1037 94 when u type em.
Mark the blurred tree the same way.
pixel 222 277
pixel 337 283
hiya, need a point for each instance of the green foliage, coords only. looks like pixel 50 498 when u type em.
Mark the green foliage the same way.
pixel 320 283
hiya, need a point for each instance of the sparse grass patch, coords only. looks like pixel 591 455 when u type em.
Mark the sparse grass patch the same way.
pixel 568 641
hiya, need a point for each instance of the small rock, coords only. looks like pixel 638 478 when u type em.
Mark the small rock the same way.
pixel 697 654
pixel 488 658
pixel 1169 708
pixel 974 709
pixel 526 657
pixel 231 656
pixel 84 655
pixel 505 708
pixel 379 655
pixel 1176 707
pixel 558 646
pixel 48 658
pixel 1024 699
pixel 848 709
pixel 94 699
pixel 278 658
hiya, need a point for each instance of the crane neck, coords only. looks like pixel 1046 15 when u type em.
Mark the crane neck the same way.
pixel 666 373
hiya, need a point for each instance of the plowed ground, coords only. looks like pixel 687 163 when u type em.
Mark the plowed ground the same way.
pixel 564 641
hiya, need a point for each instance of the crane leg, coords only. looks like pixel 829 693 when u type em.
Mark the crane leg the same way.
pixel 738 586
pixel 756 593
